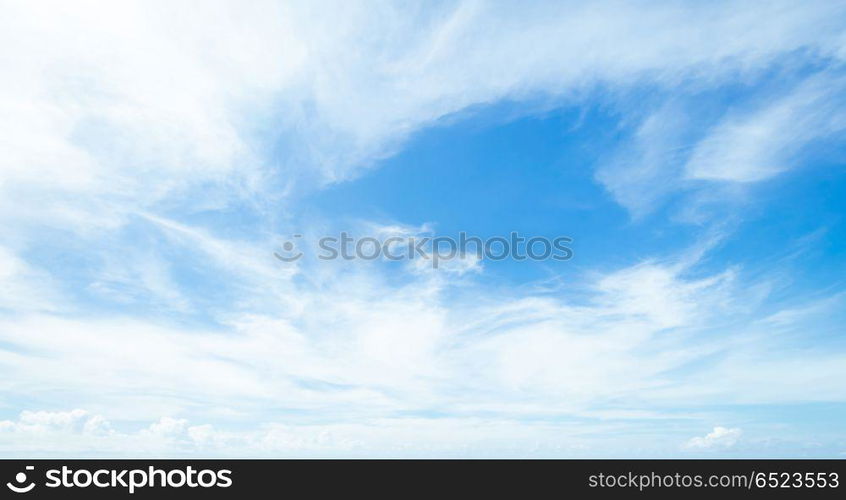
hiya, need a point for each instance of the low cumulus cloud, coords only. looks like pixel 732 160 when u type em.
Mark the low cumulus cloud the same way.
pixel 720 438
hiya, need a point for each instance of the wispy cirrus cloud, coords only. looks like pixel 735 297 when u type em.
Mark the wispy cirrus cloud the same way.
pixel 749 146
pixel 105 98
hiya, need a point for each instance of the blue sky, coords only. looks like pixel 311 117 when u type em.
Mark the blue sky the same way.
pixel 156 155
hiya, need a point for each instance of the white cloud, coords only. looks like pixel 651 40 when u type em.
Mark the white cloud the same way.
pixel 357 342
pixel 25 288
pixel 79 432
pixel 356 346
pixel 752 146
pixel 366 437
pixel 60 422
pixel 719 438
pixel 791 316
pixel 124 105
pixel 640 174
pixel 675 150
pixel 480 53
